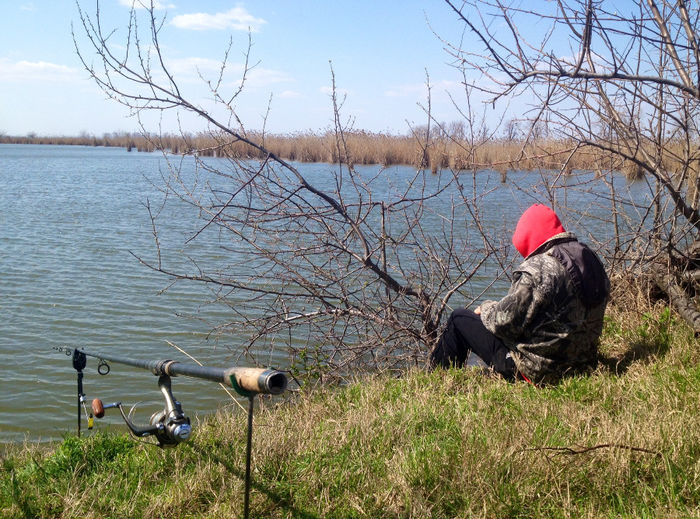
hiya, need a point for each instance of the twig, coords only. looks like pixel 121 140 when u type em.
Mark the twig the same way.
pixel 195 360
pixel 583 450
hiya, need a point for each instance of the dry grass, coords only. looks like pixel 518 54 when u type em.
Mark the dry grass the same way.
pixel 623 442
pixel 361 147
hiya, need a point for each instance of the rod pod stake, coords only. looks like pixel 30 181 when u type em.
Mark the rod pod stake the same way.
pixel 79 362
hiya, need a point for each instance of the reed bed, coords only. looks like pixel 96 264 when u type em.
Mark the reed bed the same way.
pixel 362 148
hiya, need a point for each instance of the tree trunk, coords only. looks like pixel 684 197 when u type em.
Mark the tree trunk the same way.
pixel 679 299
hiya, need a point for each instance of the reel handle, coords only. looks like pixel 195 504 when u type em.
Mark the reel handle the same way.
pixel 98 408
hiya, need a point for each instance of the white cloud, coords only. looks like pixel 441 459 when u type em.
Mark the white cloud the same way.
pixel 261 77
pixel 289 94
pixel 145 4
pixel 35 71
pixel 237 19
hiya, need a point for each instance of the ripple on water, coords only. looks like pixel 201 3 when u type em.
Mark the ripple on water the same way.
pixel 69 217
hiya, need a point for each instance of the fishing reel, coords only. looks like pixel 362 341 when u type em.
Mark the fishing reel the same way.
pixel 170 426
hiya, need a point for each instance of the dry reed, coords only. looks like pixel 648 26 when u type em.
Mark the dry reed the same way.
pixel 362 148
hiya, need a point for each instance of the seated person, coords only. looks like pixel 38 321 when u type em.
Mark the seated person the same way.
pixel 549 323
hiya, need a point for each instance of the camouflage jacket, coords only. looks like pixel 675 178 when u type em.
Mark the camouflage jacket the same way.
pixel 552 316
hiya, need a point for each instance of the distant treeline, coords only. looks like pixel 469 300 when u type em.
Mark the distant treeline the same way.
pixel 421 151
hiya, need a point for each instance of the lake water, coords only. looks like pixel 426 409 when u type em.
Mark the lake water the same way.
pixel 70 219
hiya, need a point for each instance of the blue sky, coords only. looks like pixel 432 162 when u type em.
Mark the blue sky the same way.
pixel 380 52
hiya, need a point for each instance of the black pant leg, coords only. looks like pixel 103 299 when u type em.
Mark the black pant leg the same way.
pixel 464 333
pixel 451 349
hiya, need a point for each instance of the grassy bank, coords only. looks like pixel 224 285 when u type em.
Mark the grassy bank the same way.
pixel 623 442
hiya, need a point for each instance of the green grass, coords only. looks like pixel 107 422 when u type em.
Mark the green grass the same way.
pixel 622 442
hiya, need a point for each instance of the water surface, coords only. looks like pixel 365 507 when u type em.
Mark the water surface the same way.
pixel 73 220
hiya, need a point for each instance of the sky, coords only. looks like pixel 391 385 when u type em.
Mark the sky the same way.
pixel 380 51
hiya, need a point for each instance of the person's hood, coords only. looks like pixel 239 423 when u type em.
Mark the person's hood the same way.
pixel 537 224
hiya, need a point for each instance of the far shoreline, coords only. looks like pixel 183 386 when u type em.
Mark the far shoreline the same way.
pixel 440 151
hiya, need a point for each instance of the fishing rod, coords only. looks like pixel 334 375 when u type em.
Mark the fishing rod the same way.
pixel 171 426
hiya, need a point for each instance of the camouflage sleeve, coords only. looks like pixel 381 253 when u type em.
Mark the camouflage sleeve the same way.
pixel 509 318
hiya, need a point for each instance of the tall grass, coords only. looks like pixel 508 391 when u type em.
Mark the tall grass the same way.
pixel 361 147
pixel 623 442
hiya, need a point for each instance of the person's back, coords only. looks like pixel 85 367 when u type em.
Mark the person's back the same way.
pixel 553 314
pixel 549 323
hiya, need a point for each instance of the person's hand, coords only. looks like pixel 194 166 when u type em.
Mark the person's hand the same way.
pixel 477 310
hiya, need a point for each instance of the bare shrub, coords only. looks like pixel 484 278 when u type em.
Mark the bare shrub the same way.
pixel 342 270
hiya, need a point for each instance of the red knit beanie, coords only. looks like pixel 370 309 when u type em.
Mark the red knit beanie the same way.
pixel 537 224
